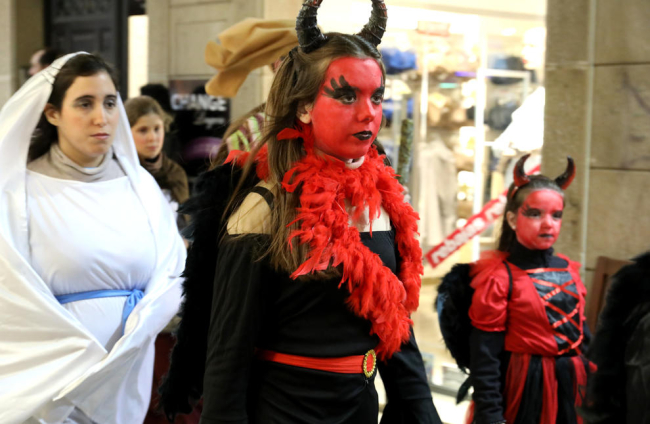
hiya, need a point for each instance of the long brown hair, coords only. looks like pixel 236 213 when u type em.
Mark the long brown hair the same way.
pixel 295 85
pixel 81 65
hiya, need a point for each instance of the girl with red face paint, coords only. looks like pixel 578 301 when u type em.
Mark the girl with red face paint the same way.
pixel 526 324
pixel 313 256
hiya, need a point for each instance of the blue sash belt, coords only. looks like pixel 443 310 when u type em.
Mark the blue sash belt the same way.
pixel 133 297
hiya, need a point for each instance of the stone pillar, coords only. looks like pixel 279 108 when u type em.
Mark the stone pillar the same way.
pixel 598 111
pixel 158 60
pixel 178 33
pixel 180 29
pixel 7 49
pixel 277 9
pixel 21 34
pixel 30 31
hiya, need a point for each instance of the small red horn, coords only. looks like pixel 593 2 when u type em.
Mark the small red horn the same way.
pixel 564 180
pixel 520 175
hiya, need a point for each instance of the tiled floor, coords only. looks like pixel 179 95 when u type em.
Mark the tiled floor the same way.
pixel 427 333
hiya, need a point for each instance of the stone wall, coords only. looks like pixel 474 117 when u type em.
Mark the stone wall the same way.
pixel 30 31
pixel 7 49
pixel 598 111
pixel 21 34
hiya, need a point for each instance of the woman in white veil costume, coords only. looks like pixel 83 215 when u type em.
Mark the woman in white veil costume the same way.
pixel 53 365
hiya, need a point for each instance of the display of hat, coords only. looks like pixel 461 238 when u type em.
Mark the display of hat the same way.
pixel 397 61
pixel 244 47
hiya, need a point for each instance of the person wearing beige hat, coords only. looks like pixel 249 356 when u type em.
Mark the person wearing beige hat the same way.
pixel 244 47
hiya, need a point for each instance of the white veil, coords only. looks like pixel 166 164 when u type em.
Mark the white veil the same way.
pixel 48 360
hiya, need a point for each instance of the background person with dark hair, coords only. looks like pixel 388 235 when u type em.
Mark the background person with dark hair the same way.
pixel 41 59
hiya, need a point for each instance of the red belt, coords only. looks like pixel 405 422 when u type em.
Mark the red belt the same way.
pixel 365 364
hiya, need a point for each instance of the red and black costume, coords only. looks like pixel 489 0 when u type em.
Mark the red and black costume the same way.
pixel 515 319
pixel 529 336
pixel 282 348
pixel 254 308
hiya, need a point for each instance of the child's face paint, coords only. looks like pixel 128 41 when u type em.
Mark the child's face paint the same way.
pixel 539 219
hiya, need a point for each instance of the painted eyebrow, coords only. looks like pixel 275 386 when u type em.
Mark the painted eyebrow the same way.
pixel 382 87
pixel 340 87
pixel 527 209
pixel 343 87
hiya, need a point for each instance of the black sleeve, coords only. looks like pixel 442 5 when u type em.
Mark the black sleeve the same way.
pixel 183 384
pixel 637 368
pixel 485 349
pixel 407 388
pixel 238 309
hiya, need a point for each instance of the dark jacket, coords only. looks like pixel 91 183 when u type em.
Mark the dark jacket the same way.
pixel 619 392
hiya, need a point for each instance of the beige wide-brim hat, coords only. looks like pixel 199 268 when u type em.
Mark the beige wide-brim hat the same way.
pixel 244 47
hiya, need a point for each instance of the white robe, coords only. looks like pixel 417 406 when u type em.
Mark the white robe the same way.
pixel 49 361
pixel 102 241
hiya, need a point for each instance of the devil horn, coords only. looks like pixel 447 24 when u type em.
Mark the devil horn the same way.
pixel 520 175
pixel 564 180
pixel 309 35
pixel 376 26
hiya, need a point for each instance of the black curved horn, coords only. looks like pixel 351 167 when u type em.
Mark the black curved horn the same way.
pixel 375 28
pixel 309 35
pixel 564 180
pixel 520 176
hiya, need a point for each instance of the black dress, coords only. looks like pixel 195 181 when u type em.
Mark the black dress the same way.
pixel 254 307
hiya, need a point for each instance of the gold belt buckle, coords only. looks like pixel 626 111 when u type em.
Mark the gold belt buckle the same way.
pixel 369 363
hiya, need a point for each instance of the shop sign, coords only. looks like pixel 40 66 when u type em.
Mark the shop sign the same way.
pixel 472 228
pixel 190 96
pixel 201 120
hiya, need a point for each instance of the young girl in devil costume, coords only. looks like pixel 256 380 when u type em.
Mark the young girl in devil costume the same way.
pixel 524 316
pixel 309 279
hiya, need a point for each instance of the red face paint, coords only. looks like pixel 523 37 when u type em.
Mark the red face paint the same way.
pixel 539 219
pixel 347 112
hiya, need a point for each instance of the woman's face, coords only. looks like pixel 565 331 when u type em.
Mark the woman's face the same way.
pixel 539 219
pixel 149 135
pixel 346 115
pixel 87 120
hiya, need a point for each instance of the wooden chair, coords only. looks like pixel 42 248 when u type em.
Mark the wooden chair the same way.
pixel 605 269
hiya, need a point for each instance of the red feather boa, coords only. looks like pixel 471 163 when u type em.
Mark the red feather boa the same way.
pixel 376 294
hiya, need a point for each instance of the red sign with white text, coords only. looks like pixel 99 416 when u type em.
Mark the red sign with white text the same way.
pixel 472 228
